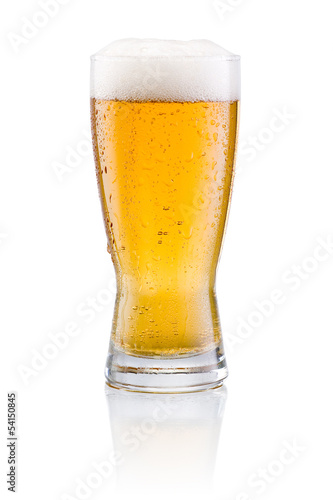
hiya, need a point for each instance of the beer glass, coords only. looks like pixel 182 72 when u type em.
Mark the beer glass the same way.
pixel 164 123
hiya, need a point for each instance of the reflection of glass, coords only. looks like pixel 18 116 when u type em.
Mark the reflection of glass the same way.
pixel 167 443
pixel 164 123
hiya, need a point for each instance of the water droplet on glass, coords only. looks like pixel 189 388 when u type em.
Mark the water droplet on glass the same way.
pixel 187 233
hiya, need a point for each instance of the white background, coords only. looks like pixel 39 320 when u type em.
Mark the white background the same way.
pixel 53 252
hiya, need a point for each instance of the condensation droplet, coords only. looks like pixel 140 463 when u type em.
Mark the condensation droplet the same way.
pixel 201 198
pixel 187 233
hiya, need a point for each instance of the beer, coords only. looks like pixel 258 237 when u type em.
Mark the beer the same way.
pixel 165 173
pixel 165 169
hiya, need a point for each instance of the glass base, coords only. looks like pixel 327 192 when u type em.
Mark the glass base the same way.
pixel 194 373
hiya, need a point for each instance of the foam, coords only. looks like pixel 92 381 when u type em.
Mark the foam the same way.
pixel 165 70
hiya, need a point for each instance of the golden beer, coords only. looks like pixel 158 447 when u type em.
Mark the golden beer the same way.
pixel 164 120
pixel 165 173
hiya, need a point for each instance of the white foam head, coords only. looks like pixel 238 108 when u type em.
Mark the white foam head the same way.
pixel 165 70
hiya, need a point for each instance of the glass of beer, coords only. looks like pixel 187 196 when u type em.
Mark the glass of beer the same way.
pixel 164 120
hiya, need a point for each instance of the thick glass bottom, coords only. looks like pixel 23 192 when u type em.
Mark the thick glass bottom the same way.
pixel 166 375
